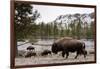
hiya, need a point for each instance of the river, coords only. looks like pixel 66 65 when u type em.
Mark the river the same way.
pixel 46 44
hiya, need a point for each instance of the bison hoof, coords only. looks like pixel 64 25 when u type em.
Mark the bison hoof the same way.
pixel 62 55
pixel 75 58
pixel 84 56
pixel 66 57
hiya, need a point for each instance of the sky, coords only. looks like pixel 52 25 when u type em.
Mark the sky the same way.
pixel 50 13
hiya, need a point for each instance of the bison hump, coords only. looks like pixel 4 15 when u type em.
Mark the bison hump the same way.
pixel 63 39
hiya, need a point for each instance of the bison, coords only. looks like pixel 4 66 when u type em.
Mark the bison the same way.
pixel 29 54
pixel 67 45
pixel 30 48
pixel 46 52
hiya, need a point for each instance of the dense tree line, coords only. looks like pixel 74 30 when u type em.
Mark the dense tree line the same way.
pixel 55 30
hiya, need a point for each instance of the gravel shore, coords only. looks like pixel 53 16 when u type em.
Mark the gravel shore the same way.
pixel 52 59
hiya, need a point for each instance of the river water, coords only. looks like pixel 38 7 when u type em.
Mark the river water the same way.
pixel 46 44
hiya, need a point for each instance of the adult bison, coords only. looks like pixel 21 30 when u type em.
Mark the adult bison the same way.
pixel 67 45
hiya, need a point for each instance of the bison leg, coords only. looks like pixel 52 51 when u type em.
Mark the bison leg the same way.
pixel 84 56
pixel 49 52
pixel 63 54
pixel 85 53
pixel 67 54
pixel 77 55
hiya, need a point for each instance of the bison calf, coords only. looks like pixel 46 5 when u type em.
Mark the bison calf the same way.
pixel 29 54
pixel 30 48
pixel 46 52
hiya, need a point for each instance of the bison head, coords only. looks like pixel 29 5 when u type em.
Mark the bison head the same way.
pixel 56 48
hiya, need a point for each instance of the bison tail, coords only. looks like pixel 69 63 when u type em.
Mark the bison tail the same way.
pixel 84 45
